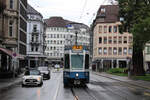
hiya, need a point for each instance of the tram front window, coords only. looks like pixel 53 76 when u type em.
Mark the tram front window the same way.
pixel 77 61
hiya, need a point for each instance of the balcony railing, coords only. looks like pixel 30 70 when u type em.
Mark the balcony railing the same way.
pixel 36 42
pixel 35 31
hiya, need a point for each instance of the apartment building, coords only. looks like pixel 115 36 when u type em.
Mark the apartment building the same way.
pixel 22 36
pixel 35 38
pixel 111 49
pixel 61 32
pixel 12 35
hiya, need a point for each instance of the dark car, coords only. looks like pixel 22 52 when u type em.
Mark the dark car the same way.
pixel 45 72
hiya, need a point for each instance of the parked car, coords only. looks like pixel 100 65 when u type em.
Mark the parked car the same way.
pixel 32 77
pixel 45 72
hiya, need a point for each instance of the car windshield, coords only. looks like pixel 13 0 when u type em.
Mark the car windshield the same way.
pixel 32 72
pixel 43 68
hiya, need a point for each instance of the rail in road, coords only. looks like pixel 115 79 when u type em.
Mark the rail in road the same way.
pixel 86 90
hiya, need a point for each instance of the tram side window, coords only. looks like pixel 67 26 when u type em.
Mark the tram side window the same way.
pixel 67 61
pixel 86 61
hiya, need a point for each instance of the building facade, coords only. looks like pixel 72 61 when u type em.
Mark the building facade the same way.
pixel 11 36
pixel 111 49
pixel 22 36
pixel 146 54
pixel 35 38
pixel 61 32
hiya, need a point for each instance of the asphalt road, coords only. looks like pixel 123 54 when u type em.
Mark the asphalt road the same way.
pixel 99 88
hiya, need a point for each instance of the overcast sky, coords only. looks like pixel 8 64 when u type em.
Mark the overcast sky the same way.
pixel 82 11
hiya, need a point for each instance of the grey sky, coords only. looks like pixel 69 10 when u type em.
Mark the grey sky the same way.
pixel 75 10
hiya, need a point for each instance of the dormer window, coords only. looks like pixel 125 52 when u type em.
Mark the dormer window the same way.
pixel 102 10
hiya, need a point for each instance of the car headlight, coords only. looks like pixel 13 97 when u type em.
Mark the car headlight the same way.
pixel 38 78
pixel 23 78
pixel 77 74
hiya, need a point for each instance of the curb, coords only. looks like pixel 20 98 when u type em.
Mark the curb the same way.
pixel 124 81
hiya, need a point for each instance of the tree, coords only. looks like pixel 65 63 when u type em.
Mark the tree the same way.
pixel 136 14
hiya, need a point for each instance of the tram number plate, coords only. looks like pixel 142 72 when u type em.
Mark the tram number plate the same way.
pixel 76 81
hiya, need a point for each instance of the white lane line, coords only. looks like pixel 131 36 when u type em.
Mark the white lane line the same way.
pixel 56 93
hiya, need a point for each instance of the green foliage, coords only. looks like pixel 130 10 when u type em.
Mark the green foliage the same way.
pixel 136 14
pixel 145 78
pixel 118 71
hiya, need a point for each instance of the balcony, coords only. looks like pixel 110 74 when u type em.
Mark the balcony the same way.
pixel 34 42
pixel 35 32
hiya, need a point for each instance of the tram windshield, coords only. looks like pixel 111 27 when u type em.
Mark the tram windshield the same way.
pixel 77 61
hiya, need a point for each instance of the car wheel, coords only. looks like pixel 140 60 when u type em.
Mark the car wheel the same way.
pixel 23 85
pixel 41 84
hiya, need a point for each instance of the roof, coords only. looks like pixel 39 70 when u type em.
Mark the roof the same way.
pixel 55 22
pixel 107 14
pixel 60 22
pixel 31 10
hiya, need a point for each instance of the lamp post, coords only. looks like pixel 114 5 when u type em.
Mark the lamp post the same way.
pixel 129 66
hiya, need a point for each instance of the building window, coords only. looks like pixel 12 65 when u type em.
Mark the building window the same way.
pixel 105 51
pixel 34 28
pixel 100 29
pixel 130 51
pixel 11 4
pixel 115 51
pixel 110 29
pixel 115 29
pixel 148 49
pixel 99 50
pixel 120 50
pixel 124 50
pixel 36 49
pixel 115 40
pixel 102 10
pixel 105 29
pixel 32 48
pixel 110 40
pixel 36 38
pixel 11 28
pixel 105 40
pixel 100 40
pixel 125 40
pixel 120 40
pixel 130 39
pixel 110 50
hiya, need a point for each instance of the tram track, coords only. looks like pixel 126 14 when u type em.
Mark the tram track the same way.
pixel 86 90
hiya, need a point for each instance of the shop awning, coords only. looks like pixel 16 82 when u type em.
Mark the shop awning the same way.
pixel 11 53
pixel 7 51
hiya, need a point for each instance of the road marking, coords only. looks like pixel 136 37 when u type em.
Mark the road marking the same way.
pixel 57 90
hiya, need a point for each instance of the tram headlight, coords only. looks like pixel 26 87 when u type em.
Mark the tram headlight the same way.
pixel 77 74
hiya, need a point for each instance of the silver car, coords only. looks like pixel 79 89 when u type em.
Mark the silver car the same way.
pixel 32 77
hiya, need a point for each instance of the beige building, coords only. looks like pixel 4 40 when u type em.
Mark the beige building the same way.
pixel 110 48
pixel 146 54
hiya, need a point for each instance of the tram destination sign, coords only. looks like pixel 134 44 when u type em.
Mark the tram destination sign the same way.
pixel 77 47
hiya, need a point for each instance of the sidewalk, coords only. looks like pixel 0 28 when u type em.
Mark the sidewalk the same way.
pixel 7 83
pixel 139 83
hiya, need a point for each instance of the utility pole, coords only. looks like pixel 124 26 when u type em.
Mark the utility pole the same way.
pixel 76 38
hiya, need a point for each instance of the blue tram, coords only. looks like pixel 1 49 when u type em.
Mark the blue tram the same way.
pixel 76 65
